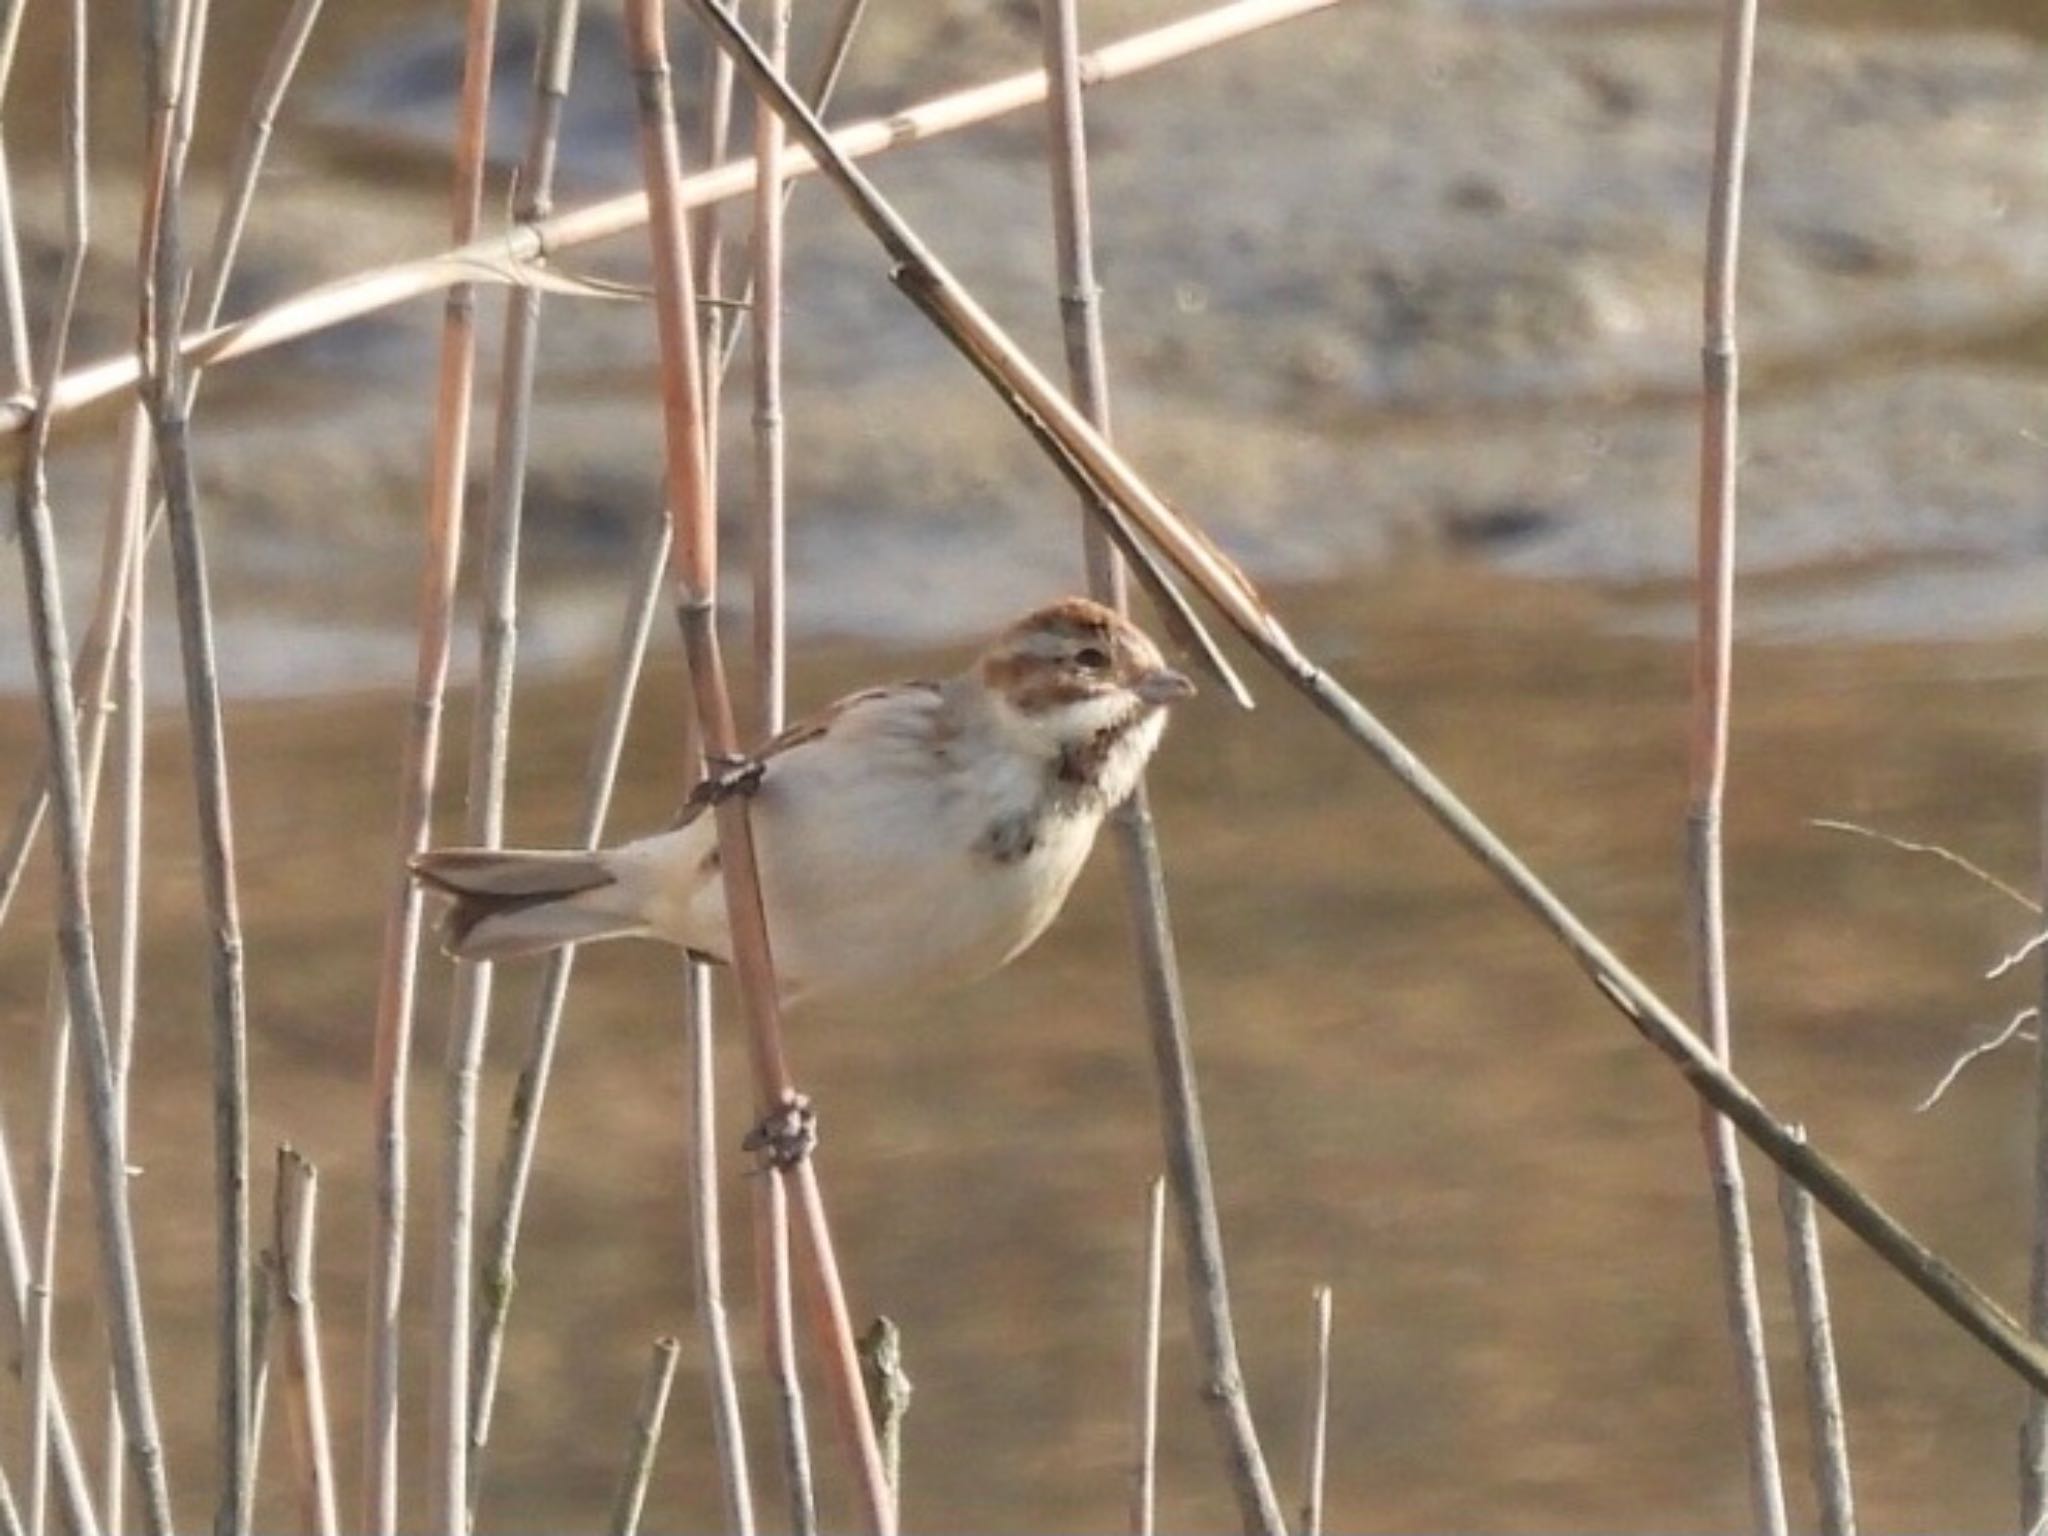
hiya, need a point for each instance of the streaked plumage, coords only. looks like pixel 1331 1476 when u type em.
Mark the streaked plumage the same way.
pixel 911 836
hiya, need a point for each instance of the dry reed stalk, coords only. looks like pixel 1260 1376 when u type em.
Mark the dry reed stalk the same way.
pixel 1315 1457
pixel 1132 508
pixel 173 41
pixel 778 1328
pixel 1145 1453
pixel 707 230
pixel 40 1329
pixel 631 1498
pixel 491 727
pixel 765 551
pixel 132 456
pixel 43 1292
pixel 75 939
pixel 694 568
pixel 523 1127
pixel 2034 1427
pixel 1828 1426
pixel 1712 675
pixel 10 1510
pixel 304 1385
pixel 118 574
pixel 1138 858
pixel 448 1420
pixel 13 293
pixel 511 257
pixel 699 1004
pixel 2033 1469
pixel 392 1050
pixel 766 532
pixel 707 1247
pixel 515 1170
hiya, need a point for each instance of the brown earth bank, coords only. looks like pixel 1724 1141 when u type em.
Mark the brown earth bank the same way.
pixel 1412 1096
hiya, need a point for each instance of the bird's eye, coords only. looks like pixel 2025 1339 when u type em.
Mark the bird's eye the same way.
pixel 1092 658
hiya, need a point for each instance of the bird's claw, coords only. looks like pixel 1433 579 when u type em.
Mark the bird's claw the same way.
pixel 787 1134
pixel 728 777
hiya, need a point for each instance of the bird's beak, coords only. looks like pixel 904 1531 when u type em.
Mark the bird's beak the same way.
pixel 1163 685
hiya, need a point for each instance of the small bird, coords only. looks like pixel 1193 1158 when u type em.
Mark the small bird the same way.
pixel 909 837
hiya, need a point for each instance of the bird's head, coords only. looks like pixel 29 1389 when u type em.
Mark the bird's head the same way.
pixel 1079 682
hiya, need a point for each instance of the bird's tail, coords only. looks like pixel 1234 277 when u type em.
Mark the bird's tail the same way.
pixel 510 901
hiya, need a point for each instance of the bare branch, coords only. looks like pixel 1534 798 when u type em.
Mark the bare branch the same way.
pixel 2015 1029
pixel 1932 850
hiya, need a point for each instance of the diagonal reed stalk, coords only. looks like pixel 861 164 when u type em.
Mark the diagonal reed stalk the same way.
pixel 511 257
pixel 454 1268
pixel 1134 513
pixel 1137 842
pixel 75 939
pixel 173 43
pixel 1827 1425
pixel 631 1498
pixel 694 569
pixel 1712 675
pixel 1145 1448
pixel 303 1384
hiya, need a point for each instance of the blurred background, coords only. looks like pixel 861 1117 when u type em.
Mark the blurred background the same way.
pixel 1402 303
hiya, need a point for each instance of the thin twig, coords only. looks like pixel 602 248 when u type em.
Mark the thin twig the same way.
pixel 2015 1028
pixel 304 1383
pixel 1817 1353
pixel 888 1391
pixel 694 568
pixel 1145 1455
pixel 1947 856
pixel 654 1392
pixel 1315 1457
pixel 1186 1148
pixel 511 257
pixel 1137 512
pixel 2018 957
pixel 454 1272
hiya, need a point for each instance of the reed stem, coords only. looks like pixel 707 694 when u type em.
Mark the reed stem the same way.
pixel 694 569
pixel 1186 1148
pixel 304 1384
